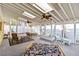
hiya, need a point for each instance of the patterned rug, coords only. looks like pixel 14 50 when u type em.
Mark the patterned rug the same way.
pixel 43 50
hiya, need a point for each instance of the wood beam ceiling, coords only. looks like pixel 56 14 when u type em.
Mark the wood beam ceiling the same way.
pixel 64 11
pixel 72 11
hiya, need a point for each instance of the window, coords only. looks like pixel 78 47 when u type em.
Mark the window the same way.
pixel 77 32
pixel 69 32
pixel 53 30
pixel 42 30
pixel 48 30
pixel 6 28
pixel 58 32
pixel 21 28
pixel 13 28
pixel 36 29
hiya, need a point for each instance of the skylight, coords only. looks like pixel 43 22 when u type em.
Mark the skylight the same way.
pixel 36 6
pixel 44 6
pixel 28 15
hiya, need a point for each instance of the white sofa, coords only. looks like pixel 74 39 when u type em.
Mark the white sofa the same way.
pixel 68 41
pixel 64 40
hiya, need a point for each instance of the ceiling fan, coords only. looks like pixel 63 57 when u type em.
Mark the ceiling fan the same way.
pixel 28 23
pixel 46 16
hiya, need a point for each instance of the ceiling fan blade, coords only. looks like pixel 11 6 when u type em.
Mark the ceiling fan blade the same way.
pixel 41 18
pixel 49 15
pixel 29 22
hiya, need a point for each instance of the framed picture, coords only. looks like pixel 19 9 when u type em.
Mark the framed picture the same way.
pixel 0 26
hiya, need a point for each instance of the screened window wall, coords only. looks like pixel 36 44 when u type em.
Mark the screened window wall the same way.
pixel 47 30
